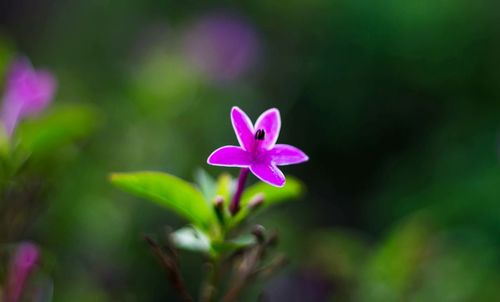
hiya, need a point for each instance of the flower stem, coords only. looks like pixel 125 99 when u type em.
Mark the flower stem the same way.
pixel 234 207
pixel 209 288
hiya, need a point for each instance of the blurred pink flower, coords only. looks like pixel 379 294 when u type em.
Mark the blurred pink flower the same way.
pixel 258 150
pixel 27 92
pixel 21 266
pixel 223 46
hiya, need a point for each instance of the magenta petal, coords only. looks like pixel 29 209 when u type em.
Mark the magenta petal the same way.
pixel 21 266
pixel 270 122
pixel 287 155
pixel 269 173
pixel 230 156
pixel 39 92
pixel 243 128
pixel 11 110
pixel 28 92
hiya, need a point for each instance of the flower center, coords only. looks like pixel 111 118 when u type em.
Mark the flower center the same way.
pixel 260 135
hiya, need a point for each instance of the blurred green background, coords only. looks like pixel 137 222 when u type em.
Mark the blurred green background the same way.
pixel 397 103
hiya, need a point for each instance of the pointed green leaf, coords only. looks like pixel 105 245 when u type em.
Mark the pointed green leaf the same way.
pixel 170 192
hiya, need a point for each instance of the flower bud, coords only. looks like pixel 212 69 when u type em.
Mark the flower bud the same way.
pixel 28 91
pixel 256 202
pixel 21 266
pixel 219 208
pixel 259 232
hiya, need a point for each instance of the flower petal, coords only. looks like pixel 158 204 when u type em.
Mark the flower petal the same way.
pixel 270 122
pixel 40 92
pixel 230 156
pixel 268 173
pixel 243 128
pixel 11 110
pixel 287 155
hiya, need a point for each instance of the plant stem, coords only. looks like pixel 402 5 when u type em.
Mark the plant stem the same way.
pixel 172 269
pixel 209 289
pixel 244 275
pixel 234 207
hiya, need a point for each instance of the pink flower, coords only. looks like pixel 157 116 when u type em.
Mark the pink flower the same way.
pixel 21 266
pixel 258 150
pixel 222 45
pixel 28 91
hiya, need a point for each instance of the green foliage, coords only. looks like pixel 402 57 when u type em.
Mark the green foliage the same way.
pixel 376 158
pixel 234 244
pixel 191 238
pixel 58 128
pixel 4 143
pixel 164 83
pixel 224 187
pixel 207 233
pixel 341 253
pixel 172 193
pixel 419 260
pixel 4 156
pixel 273 195
pixel 206 184
pixel 392 270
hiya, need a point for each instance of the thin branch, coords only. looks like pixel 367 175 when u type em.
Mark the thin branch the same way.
pixel 249 263
pixel 172 269
pixel 276 264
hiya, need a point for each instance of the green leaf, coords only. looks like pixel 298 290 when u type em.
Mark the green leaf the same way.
pixel 273 195
pixel 206 183
pixel 234 244
pixel 224 187
pixel 397 262
pixel 60 127
pixel 170 192
pixel 192 239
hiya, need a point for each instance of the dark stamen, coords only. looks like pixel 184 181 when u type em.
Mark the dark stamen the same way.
pixel 260 134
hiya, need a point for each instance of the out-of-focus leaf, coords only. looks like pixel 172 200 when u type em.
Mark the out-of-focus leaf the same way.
pixel 237 243
pixel 42 288
pixel 4 142
pixel 458 270
pixel 206 183
pixel 395 265
pixel 170 192
pixel 164 83
pixel 224 187
pixel 340 253
pixel 190 238
pixel 273 195
pixel 57 128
